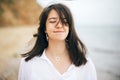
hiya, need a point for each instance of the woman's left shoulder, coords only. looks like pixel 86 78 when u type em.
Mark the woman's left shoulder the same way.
pixel 88 71
pixel 88 66
pixel 89 63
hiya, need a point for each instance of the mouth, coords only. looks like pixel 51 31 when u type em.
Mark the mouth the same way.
pixel 58 31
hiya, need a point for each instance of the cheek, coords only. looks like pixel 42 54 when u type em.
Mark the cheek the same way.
pixel 49 29
pixel 67 29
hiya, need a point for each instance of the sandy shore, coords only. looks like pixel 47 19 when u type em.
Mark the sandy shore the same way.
pixel 12 39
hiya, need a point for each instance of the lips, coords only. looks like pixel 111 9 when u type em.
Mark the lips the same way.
pixel 58 31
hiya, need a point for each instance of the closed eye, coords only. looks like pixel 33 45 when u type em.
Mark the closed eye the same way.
pixel 52 21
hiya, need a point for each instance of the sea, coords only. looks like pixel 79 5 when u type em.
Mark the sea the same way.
pixel 103 45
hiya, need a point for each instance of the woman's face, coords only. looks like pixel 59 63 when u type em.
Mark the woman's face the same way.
pixel 54 28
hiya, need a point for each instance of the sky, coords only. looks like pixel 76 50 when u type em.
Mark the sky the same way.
pixel 91 12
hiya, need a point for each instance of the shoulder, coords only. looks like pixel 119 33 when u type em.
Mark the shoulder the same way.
pixel 89 62
pixel 26 66
pixel 31 61
pixel 24 63
pixel 87 71
pixel 89 66
pixel 24 69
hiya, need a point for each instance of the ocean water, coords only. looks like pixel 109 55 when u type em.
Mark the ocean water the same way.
pixel 103 44
pixel 101 38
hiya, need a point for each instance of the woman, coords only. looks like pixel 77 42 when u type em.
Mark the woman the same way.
pixel 58 53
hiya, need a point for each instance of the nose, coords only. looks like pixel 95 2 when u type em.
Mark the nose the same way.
pixel 59 24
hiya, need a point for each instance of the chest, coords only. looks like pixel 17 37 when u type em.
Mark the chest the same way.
pixel 46 71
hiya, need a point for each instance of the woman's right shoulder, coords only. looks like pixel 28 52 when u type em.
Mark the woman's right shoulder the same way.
pixel 24 70
pixel 29 62
pixel 25 65
pixel 23 62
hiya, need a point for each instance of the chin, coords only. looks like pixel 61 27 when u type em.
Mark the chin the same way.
pixel 59 39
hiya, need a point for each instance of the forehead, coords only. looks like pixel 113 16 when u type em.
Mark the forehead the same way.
pixel 53 14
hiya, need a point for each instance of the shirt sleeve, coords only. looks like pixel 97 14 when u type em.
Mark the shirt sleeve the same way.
pixel 92 70
pixel 23 70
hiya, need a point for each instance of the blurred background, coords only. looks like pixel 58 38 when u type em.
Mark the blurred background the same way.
pixel 97 23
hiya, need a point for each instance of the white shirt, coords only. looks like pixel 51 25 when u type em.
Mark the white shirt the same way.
pixel 41 68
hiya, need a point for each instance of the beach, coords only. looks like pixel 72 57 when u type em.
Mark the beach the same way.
pixel 12 39
pixel 102 44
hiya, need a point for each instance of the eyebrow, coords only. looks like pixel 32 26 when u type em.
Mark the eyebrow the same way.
pixel 52 18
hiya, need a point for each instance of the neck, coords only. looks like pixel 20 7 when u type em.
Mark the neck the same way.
pixel 57 48
pixel 57 52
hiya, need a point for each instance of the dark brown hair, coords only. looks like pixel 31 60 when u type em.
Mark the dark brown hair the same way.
pixel 76 48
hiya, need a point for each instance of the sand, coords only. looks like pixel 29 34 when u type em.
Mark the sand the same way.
pixel 11 41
